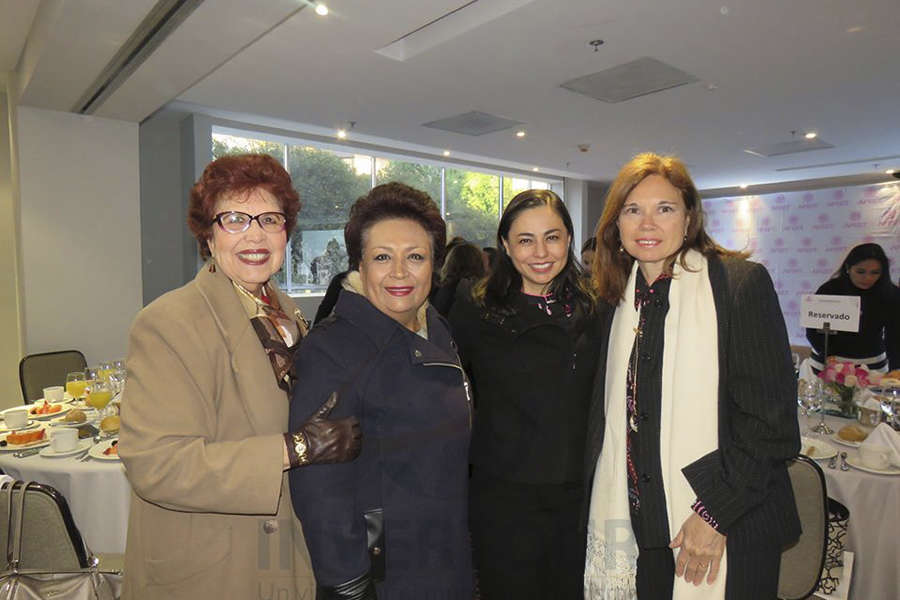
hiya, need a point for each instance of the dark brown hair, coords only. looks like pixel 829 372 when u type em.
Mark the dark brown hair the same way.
pixel 464 261
pixel 394 201
pixel 238 174
pixel 612 267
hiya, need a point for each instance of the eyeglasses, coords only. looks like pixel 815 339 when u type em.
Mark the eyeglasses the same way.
pixel 238 222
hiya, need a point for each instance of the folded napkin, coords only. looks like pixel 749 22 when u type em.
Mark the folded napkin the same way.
pixel 805 371
pixel 883 435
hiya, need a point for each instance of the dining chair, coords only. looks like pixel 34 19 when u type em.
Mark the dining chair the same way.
pixel 50 539
pixel 37 371
pixel 802 562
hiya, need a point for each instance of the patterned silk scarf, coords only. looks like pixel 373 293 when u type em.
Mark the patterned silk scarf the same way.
pixel 280 334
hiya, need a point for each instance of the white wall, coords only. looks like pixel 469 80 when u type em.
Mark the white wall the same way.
pixel 80 231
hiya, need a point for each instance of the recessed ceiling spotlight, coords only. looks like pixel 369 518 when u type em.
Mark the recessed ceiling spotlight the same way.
pixel 890 171
pixel 535 169
pixel 743 186
pixel 342 134
pixel 446 153
pixel 855 29
pixel 520 133
pixel 321 10
pixel 810 135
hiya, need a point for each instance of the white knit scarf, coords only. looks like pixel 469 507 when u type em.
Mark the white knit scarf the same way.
pixel 689 430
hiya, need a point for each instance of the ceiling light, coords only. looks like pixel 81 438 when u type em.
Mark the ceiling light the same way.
pixel 855 29
pixel 342 134
pixel 810 135
pixel 446 153
pixel 520 133
pixel 321 9
pixel 743 186
pixel 890 171
pixel 535 169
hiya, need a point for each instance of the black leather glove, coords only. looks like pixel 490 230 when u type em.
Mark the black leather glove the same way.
pixel 321 440
pixel 360 588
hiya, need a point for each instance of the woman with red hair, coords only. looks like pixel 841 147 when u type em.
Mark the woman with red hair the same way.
pixel 205 407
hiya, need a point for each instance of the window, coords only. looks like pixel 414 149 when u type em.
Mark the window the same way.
pixel 330 181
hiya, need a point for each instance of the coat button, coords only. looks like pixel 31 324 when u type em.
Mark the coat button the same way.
pixel 645 357
pixel 644 416
pixel 657 302
pixel 417 353
pixel 646 478
pixel 376 550
pixel 270 526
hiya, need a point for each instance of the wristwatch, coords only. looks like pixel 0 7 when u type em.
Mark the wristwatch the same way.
pixel 301 448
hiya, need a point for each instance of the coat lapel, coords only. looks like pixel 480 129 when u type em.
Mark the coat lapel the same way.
pixel 265 404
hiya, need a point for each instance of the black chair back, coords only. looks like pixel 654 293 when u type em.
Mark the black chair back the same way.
pixel 37 371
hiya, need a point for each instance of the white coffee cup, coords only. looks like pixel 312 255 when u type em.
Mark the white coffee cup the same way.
pixel 875 457
pixel 53 393
pixel 16 417
pixel 63 439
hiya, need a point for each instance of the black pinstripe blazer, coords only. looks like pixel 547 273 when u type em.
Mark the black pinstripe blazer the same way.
pixel 744 483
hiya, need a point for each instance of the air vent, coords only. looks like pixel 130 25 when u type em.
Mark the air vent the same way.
pixel 473 123
pixel 631 80
pixel 870 160
pixel 792 147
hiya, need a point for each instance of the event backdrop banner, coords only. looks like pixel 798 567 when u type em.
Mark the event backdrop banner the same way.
pixel 802 237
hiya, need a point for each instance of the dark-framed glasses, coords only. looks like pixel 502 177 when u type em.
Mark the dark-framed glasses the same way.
pixel 238 222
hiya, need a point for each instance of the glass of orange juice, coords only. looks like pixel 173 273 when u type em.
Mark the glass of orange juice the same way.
pixel 75 384
pixel 105 370
pixel 99 395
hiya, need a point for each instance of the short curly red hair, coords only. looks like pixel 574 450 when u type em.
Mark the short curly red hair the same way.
pixel 238 174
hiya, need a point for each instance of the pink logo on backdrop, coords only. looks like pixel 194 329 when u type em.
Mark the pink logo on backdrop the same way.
pixel 836 244
pixel 822 267
pixel 793 223
pixel 838 194
pixel 780 199
pixel 806 245
pixel 824 222
pixel 808 197
pixel 805 285
pixel 855 215
pixel 869 196
pixel 793 305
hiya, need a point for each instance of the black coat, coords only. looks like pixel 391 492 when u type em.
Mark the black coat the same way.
pixel 409 395
pixel 532 386
pixel 744 483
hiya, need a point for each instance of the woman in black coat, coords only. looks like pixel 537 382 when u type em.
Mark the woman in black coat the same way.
pixel 694 413
pixel 864 273
pixel 399 511
pixel 524 338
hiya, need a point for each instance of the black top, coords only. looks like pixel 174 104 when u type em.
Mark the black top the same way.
pixel 879 325
pixel 650 522
pixel 331 296
pixel 532 374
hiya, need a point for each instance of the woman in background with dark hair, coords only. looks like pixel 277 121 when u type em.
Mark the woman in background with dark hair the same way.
pixel 464 261
pixel 523 336
pixel 864 273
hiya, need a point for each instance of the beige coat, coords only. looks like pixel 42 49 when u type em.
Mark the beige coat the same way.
pixel 201 440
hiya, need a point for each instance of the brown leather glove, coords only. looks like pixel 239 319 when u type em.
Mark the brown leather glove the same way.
pixel 322 441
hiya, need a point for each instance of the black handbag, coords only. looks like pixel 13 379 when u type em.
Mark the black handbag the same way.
pixel 37 584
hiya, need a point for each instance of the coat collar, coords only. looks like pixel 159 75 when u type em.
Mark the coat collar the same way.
pixel 381 329
pixel 249 363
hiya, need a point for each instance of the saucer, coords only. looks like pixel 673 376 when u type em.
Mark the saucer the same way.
pixel 821 448
pixel 82 445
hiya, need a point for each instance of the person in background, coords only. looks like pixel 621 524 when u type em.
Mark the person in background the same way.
pixel 865 272
pixel 205 405
pixel 587 253
pixel 524 336
pixel 489 257
pixel 464 261
pixel 330 297
pixel 694 411
pixel 390 358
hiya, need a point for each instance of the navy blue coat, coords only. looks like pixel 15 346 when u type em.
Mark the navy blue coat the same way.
pixel 410 396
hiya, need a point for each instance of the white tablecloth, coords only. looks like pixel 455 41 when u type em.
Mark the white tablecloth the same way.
pixel 873 533
pixel 98 494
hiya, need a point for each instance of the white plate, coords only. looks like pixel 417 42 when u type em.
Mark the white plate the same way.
pixel 857 464
pixel 821 448
pixel 28 425
pixel 37 444
pixel 83 445
pixel 97 450
pixel 835 437
pixel 63 410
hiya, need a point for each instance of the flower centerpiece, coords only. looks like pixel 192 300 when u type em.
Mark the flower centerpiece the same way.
pixel 845 379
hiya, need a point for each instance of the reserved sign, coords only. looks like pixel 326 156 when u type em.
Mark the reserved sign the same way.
pixel 840 312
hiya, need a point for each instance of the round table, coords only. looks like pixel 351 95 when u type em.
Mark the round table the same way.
pixel 97 492
pixel 873 532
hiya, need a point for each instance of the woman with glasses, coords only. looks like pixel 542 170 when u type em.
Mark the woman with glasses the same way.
pixel 205 408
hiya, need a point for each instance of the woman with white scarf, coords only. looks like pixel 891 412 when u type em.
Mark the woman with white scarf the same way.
pixel 694 409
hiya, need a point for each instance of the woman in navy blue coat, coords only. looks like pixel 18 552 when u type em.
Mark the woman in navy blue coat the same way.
pixel 393 523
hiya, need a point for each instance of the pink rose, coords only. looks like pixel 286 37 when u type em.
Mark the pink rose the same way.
pixel 829 375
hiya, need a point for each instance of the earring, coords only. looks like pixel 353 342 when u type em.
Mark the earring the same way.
pixel 211 267
pixel 621 249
